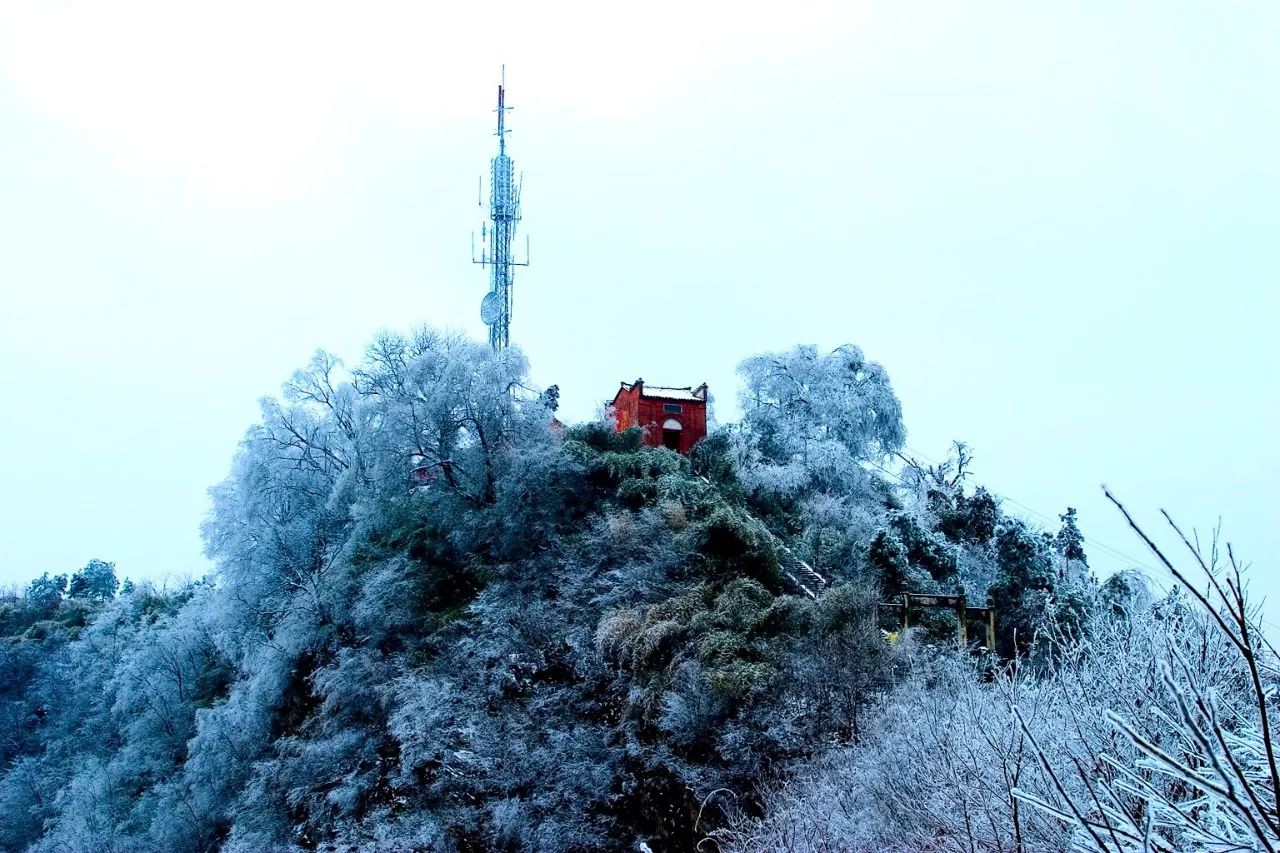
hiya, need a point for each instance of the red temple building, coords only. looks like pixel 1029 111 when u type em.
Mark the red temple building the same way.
pixel 675 418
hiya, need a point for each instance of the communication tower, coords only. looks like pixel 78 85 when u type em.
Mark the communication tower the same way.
pixel 497 236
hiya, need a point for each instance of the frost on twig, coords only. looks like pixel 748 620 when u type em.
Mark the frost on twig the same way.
pixel 1204 778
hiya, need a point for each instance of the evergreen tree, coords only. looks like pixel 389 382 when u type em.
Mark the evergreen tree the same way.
pixel 1070 541
pixel 1024 580
pixel 46 592
pixel 96 581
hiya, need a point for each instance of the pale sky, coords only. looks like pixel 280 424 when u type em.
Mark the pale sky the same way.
pixel 1056 225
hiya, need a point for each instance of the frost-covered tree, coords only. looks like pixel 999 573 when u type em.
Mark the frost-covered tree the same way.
pixel 813 424
pixel 96 581
pixel 1023 589
pixel 810 420
pixel 45 592
pixel 1069 541
pixel 450 406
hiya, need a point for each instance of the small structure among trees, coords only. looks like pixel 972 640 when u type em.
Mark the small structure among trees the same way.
pixel 675 418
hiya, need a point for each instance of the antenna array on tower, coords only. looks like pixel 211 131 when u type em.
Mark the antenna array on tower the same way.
pixel 498 235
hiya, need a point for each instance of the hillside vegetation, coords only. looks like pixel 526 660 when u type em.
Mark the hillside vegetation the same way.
pixel 565 640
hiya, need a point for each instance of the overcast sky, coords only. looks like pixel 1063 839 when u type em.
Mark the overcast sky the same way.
pixel 1056 225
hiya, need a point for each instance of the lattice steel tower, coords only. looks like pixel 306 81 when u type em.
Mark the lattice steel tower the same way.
pixel 497 237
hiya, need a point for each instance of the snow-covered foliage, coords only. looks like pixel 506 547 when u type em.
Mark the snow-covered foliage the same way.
pixel 809 420
pixel 437 623
pixel 1153 733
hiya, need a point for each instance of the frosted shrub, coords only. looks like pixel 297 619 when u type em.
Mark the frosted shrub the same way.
pixel 1195 768
pixel 1152 731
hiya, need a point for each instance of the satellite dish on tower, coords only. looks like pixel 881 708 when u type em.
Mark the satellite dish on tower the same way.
pixel 490 308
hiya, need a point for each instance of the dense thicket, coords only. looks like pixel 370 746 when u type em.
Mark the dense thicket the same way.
pixel 440 623
pixel 1154 732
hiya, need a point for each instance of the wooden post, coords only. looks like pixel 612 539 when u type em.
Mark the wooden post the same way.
pixel 962 630
pixel 991 628
pixel 906 619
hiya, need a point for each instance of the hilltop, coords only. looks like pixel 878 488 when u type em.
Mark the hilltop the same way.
pixel 563 639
